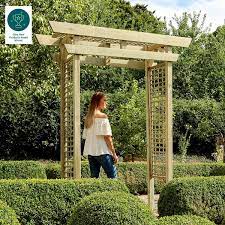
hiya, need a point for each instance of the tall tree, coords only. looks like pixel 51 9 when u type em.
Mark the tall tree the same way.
pixel 189 25
pixel 199 72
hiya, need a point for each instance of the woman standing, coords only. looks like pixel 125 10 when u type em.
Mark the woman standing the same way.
pixel 98 138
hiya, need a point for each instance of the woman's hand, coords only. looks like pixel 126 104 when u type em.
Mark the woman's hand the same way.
pixel 115 158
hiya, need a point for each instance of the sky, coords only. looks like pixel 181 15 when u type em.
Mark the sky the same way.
pixel 214 9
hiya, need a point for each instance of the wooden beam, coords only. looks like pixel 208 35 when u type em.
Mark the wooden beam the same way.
pixel 112 45
pixel 50 40
pixel 132 64
pixel 118 34
pixel 120 53
pixel 47 39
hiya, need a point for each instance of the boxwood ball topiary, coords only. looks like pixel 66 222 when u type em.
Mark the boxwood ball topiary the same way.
pixel 184 220
pixel 51 202
pixel 7 215
pixel 111 208
pixel 200 196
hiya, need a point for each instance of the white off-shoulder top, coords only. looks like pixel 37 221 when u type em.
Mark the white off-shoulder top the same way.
pixel 95 144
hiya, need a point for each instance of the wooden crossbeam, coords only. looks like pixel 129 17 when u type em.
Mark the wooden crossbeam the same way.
pixel 120 53
pixel 132 64
pixel 50 40
pixel 118 34
pixel 47 39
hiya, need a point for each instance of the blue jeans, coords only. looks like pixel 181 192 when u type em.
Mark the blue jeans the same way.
pixel 107 163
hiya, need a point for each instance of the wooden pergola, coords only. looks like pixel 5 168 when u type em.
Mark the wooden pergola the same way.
pixel 83 44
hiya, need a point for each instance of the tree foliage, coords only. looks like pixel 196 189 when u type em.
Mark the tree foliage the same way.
pixel 29 80
pixel 200 70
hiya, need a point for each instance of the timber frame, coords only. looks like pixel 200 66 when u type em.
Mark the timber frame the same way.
pixel 83 44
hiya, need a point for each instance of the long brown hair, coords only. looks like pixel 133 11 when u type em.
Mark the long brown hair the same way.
pixel 95 100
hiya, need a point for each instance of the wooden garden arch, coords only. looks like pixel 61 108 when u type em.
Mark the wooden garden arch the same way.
pixel 83 44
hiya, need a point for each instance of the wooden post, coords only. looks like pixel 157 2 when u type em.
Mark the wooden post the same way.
pixel 62 108
pixel 76 116
pixel 169 120
pixel 150 178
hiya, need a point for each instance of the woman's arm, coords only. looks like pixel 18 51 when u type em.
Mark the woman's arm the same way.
pixel 109 142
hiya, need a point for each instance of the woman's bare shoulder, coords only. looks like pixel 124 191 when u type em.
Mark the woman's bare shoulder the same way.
pixel 101 115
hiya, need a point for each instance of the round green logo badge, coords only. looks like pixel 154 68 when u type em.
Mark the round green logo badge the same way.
pixel 18 19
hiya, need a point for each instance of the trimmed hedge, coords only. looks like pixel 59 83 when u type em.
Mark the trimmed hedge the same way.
pixel 51 201
pixel 107 208
pixel 7 215
pixel 184 220
pixel 134 174
pixel 53 170
pixel 201 196
pixel 21 170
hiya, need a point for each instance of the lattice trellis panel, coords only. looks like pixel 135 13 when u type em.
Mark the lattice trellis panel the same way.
pixel 68 119
pixel 157 126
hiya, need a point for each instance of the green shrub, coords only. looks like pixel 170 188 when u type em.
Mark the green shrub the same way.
pixel 107 208
pixel 135 174
pixel 129 122
pixel 53 170
pixel 199 169
pixel 44 202
pixel 7 215
pixel 201 196
pixel 21 170
pixel 205 118
pixel 184 220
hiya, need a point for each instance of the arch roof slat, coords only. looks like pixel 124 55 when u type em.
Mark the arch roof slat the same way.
pixel 118 34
